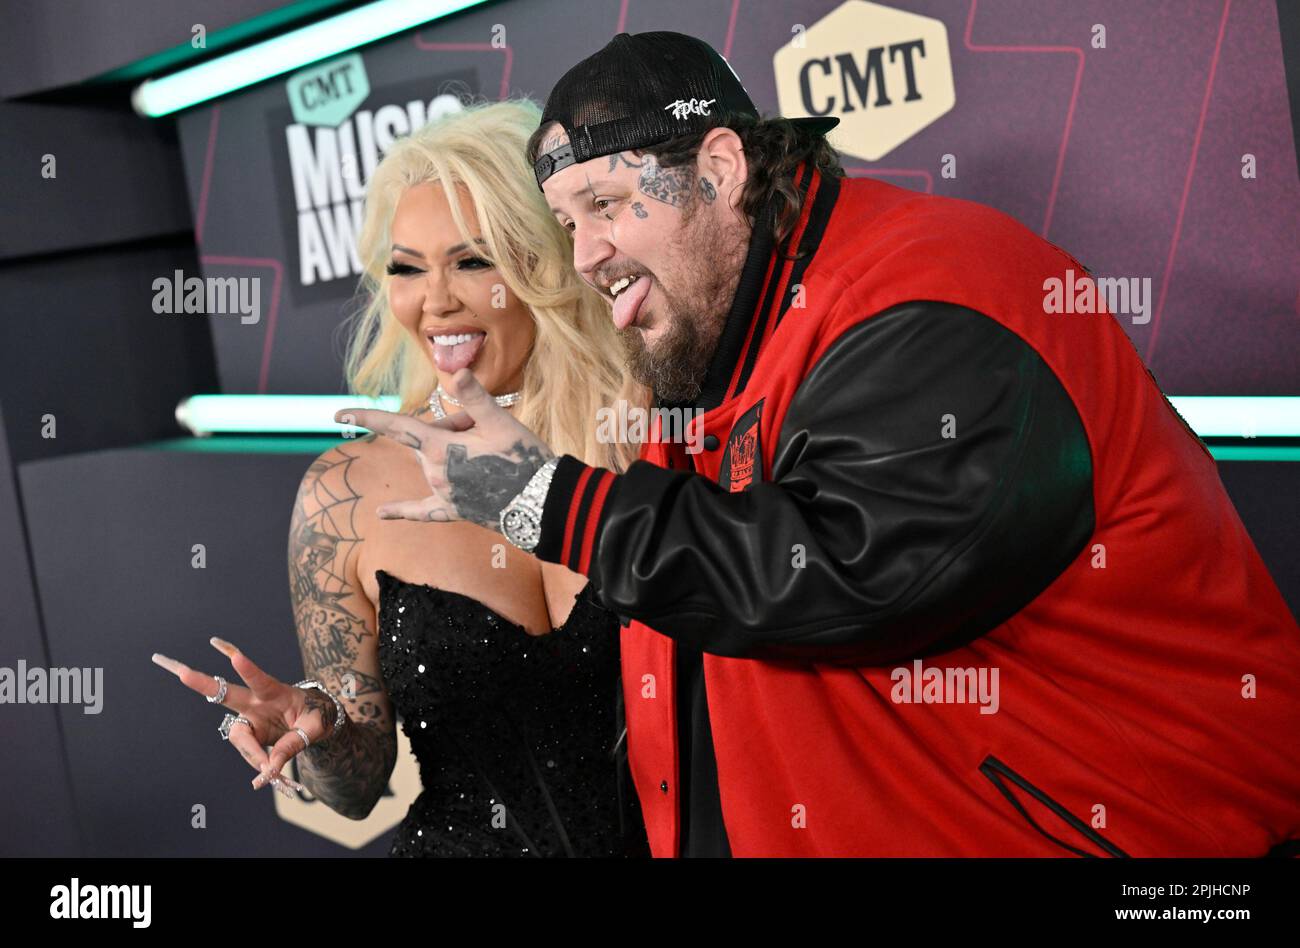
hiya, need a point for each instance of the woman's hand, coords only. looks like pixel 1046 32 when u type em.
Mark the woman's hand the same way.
pixel 275 711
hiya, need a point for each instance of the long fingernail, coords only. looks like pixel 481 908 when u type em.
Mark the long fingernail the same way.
pixel 170 664
pixel 224 647
pixel 281 788
pixel 260 780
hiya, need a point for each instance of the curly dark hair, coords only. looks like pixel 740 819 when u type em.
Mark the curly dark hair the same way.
pixel 773 149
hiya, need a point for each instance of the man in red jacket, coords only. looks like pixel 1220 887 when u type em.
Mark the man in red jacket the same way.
pixel 949 575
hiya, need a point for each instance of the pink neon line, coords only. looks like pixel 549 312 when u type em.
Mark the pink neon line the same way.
pixel 269 341
pixel 622 18
pixel 463 47
pixel 731 29
pixel 201 216
pixel 900 173
pixel 1187 184
pixel 1069 115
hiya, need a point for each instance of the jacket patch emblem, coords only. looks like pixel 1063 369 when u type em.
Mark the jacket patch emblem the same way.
pixel 742 462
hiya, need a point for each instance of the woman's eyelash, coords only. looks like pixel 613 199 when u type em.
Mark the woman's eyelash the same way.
pixel 402 269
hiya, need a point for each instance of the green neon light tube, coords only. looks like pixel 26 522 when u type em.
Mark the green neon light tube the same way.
pixel 293 50
pixel 1210 416
pixel 1234 452
pixel 272 414
pixel 1240 416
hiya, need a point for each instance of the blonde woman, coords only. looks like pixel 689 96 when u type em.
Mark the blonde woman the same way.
pixel 502 668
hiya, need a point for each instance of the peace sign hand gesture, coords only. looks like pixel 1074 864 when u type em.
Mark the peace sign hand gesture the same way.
pixel 269 711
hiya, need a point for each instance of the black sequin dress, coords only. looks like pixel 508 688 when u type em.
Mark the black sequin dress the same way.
pixel 514 734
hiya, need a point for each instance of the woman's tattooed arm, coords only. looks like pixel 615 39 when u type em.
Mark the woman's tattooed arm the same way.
pixel 349 770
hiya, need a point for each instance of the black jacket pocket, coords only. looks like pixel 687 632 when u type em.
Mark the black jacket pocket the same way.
pixel 999 773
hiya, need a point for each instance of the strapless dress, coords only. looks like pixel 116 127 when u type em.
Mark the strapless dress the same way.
pixel 518 737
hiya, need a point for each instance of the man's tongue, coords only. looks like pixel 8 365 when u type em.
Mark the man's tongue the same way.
pixel 454 358
pixel 628 303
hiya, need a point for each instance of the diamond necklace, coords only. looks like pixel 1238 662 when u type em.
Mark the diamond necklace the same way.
pixel 505 401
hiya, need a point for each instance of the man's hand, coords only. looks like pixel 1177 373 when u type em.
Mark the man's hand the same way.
pixel 474 461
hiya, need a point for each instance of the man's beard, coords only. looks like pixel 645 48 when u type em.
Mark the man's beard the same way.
pixel 675 368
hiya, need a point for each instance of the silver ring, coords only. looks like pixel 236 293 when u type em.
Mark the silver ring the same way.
pixel 220 696
pixel 229 721
pixel 306 741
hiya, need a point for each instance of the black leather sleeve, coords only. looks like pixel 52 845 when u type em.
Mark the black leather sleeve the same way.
pixel 930 478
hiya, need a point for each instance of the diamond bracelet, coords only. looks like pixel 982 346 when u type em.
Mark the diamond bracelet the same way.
pixel 521 520
pixel 338 705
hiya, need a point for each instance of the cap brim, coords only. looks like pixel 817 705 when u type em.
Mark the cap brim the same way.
pixel 817 123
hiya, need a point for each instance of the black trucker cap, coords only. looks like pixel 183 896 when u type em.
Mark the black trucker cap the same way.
pixel 642 89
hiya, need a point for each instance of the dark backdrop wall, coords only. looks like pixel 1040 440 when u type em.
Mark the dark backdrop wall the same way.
pixel 1129 155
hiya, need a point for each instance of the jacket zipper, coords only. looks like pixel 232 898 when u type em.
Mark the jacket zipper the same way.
pixel 995 770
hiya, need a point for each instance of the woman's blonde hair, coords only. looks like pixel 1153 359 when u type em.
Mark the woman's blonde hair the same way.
pixel 576 365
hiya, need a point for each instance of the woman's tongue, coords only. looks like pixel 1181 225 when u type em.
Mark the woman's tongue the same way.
pixel 455 357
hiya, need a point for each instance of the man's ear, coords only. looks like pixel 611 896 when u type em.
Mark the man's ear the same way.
pixel 722 160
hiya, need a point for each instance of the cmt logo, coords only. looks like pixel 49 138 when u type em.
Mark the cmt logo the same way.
pixel 327 94
pixel 884 73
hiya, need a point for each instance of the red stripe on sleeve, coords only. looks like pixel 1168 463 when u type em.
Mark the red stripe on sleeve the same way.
pixel 569 522
pixel 593 518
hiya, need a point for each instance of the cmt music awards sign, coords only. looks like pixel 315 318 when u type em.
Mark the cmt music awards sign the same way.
pixel 330 138
pixel 884 73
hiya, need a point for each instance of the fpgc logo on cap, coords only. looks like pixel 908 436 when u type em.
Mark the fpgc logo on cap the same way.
pixel 684 107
